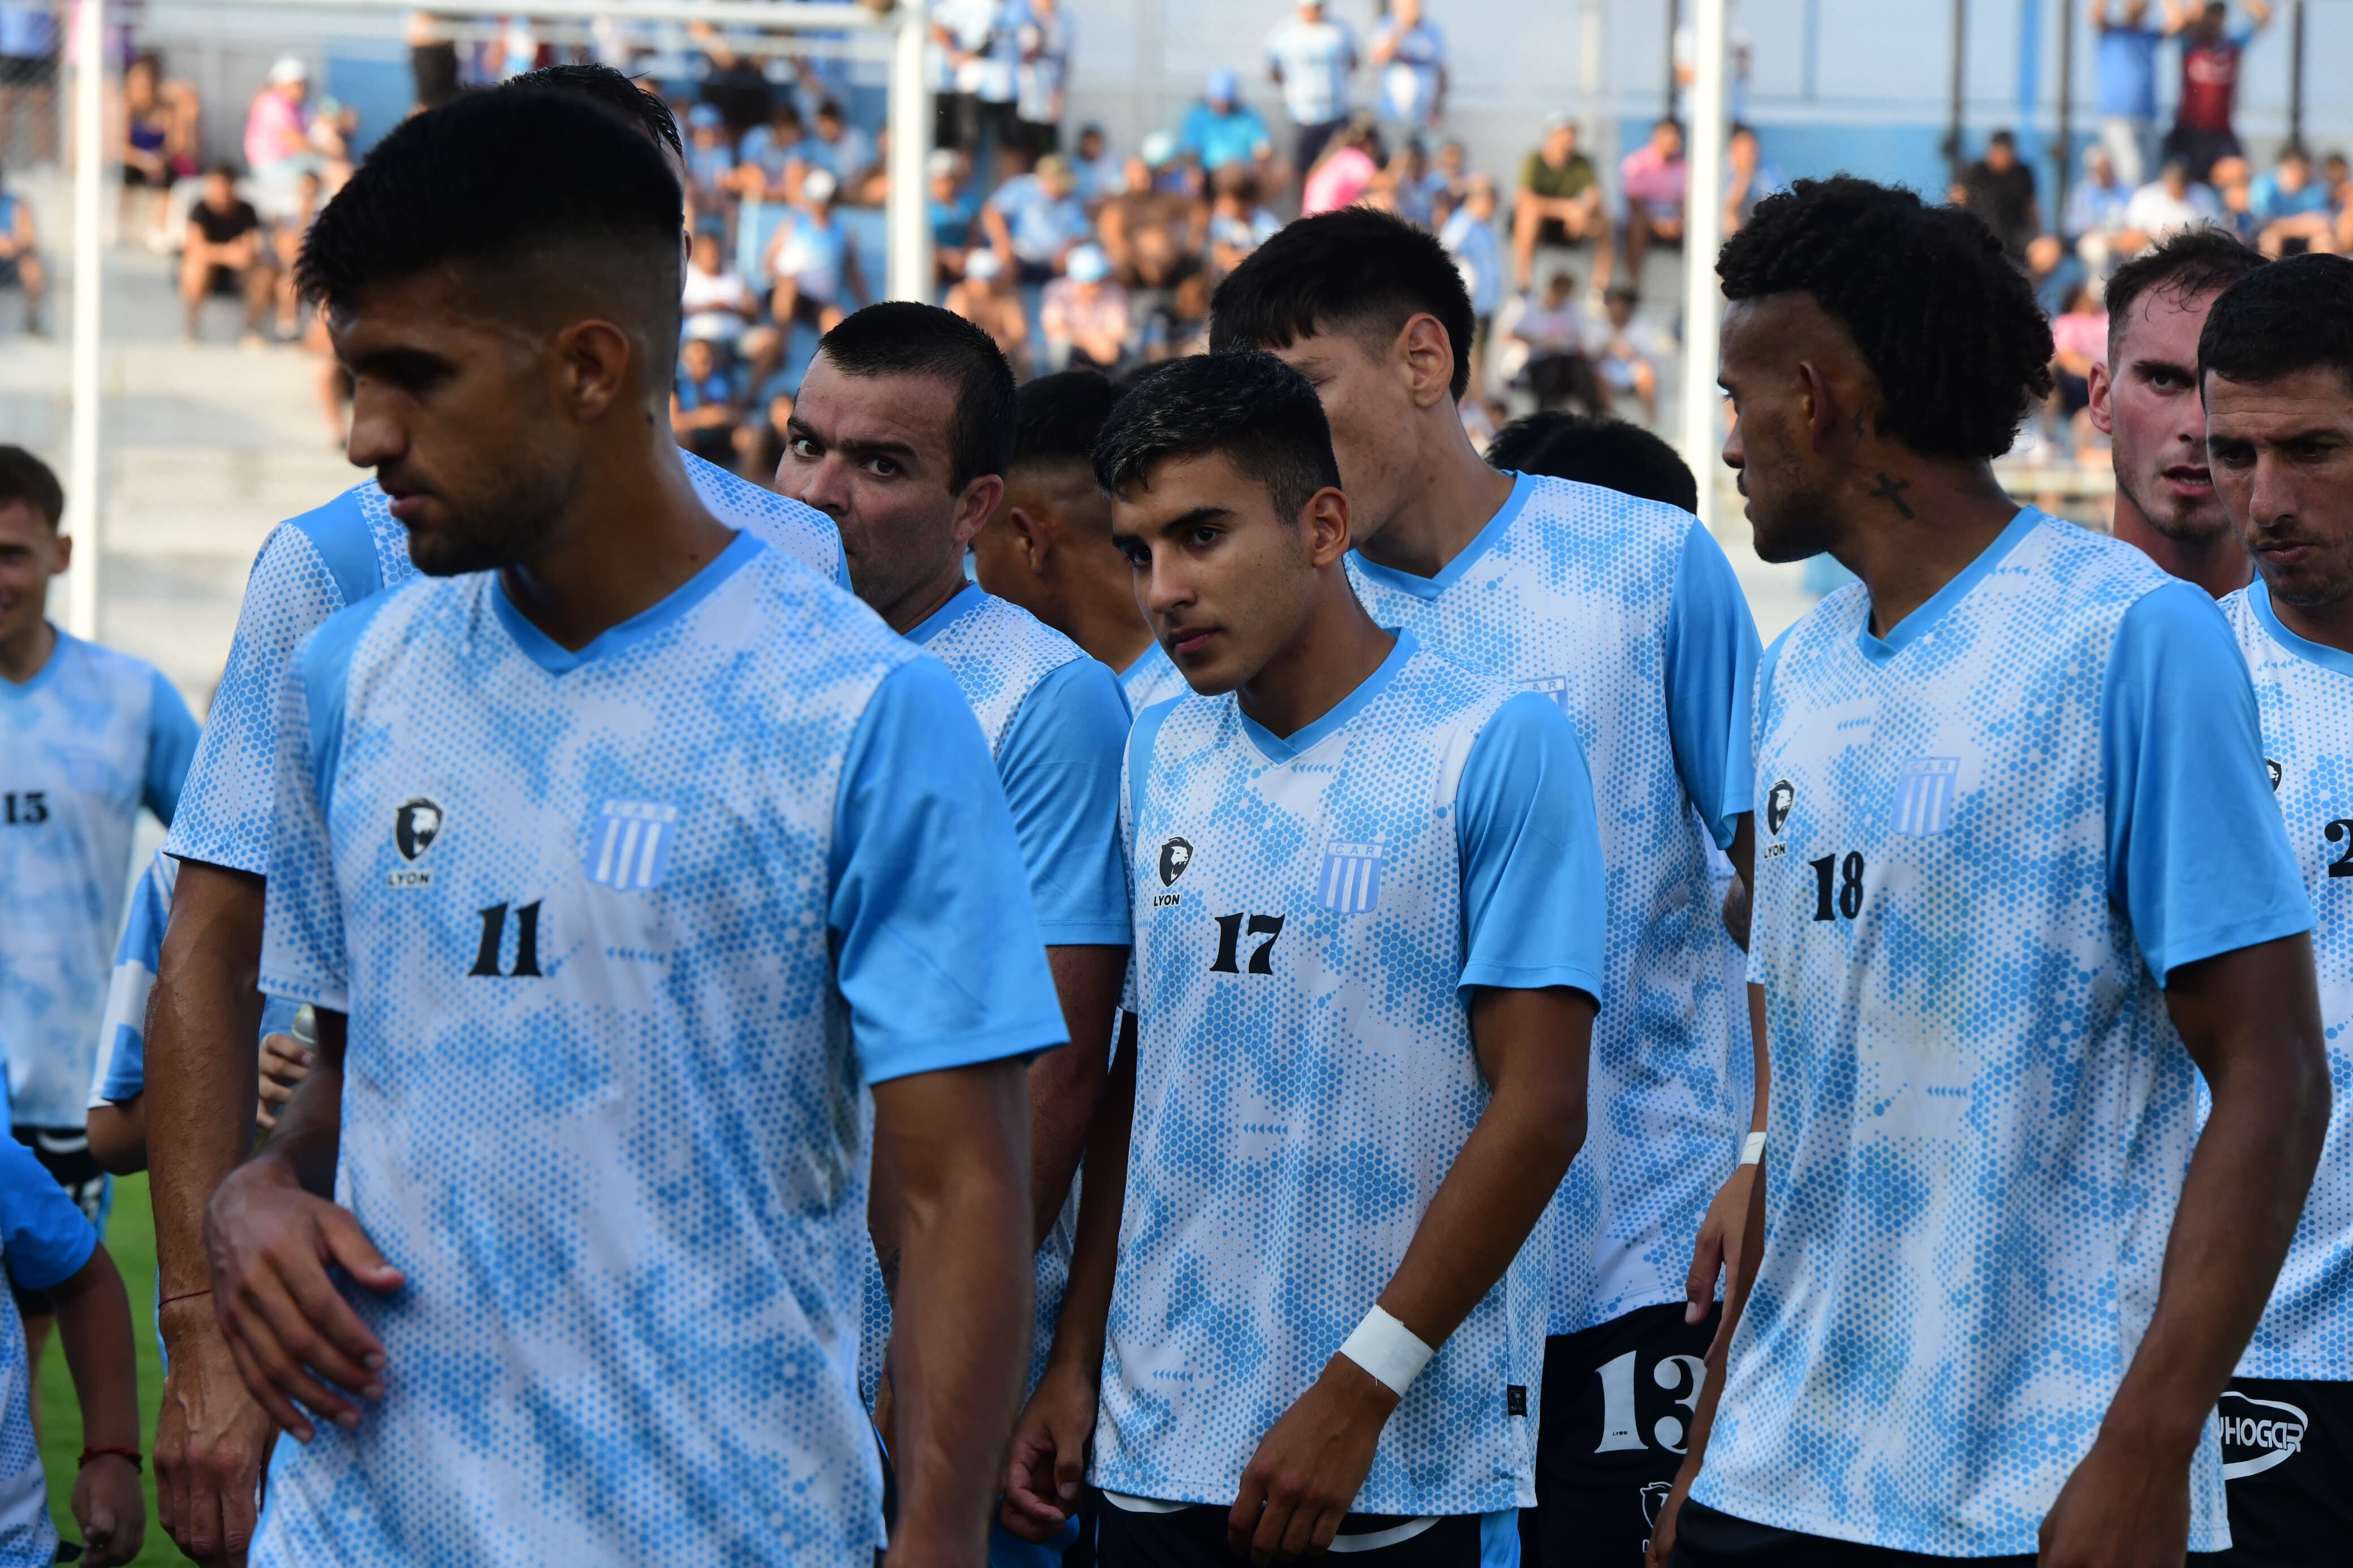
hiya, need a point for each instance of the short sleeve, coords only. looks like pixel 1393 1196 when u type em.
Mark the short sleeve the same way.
pixel 303 958
pixel 122 1070
pixel 937 951
pixel 1711 684
pixel 171 747
pixel 43 1239
pixel 1533 900
pixel 1059 766
pixel 2197 853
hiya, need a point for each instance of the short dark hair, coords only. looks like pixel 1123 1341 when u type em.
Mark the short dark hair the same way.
pixel 1949 330
pixel 1357 270
pixel 1606 452
pixel 1061 415
pixel 1244 405
pixel 495 181
pixel 620 93
pixel 25 478
pixel 2199 261
pixel 2292 315
pixel 900 337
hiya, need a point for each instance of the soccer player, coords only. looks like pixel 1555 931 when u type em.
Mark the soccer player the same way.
pixel 1368 911
pixel 2020 882
pixel 1627 615
pixel 639 876
pixel 210 1439
pixel 89 736
pixel 2276 361
pixel 2144 399
pixel 902 434
pixel 1048 548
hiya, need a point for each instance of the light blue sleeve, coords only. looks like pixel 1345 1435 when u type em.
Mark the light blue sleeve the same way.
pixel 171 746
pixel 122 1069
pixel 2197 853
pixel 1711 684
pixel 936 949
pixel 42 1236
pixel 1060 765
pixel 1534 906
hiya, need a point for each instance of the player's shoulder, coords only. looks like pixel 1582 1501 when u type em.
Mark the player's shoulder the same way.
pixel 353 538
pixel 1444 689
pixel 99 674
pixel 2082 584
pixel 807 628
pixel 1640 539
pixel 798 532
pixel 2245 622
pixel 977 624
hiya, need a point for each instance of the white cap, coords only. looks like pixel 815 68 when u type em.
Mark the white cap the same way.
pixel 1088 263
pixel 287 69
pixel 983 264
pixel 817 185
pixel 942 162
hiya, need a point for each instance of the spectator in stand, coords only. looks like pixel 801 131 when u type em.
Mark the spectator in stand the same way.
pixel 28 78
pixel 2211 53
pixel 1559 204
pixel 1405 186
pixel 1150 233
pixel 1035 220
pixel 1625 351
pixel 2233 180
pixel 2337 177
pixel 1653 180
pixel 432 61
pixel 286 235
pixel 2053 271
pixel 706 401
pixel 1554 332
pixel 1238 223
pixel 814 262
pixel 1739 58
pixel 980 55
pixel 1095 169
pixel 224 254
pixel 1449 174
pixel 1748 177
pixel 2169 204
pixel 1040 78
pixel 710 158
pixel 760 440
pixel 159 139
pixel 2096 203
pixel 2079 336
pixel 1084 316
pixel 987 300
pixel 280 139
pixel 1999 189
pixel 840 149
pixel 1179 324
pixel 2291 210
pixel 1346 171
pixel 1409 53
pixel 719 307
pixel 1469 236
pixel 20 258
pixel 769 162
pixel 951 211
pixel 1312 55
pixel 2124 75
pixel 1221 128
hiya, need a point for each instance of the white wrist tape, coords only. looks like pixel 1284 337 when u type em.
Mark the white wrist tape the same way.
pixel 1752 1149
pixel 1392 1353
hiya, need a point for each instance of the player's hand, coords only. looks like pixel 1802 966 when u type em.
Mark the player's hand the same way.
pixel 2125 1507
pixel 285 1063
pixel 1723 1242
pixel 1735 912
pixel 1661 1544
pixel 293 1333
pixel 1310 1467
pixel 112 1512
pixel 1050 1453
pixel 210 1441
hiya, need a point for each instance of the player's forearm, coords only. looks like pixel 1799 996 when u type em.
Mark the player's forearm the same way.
pixel 94 1327
pixel 1761 1098
pixel 1102 1201
pixel 201 1070
pixel 117 1136
pixel 1719 1352
pixel 1066 1085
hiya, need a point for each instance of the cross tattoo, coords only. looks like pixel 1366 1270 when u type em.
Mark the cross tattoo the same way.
pixel 1891 490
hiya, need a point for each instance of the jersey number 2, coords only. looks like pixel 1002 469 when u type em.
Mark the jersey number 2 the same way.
pixel 1230 938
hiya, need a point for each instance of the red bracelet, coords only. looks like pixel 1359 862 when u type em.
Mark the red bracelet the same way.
pixel 183 1296
pixel 138 1460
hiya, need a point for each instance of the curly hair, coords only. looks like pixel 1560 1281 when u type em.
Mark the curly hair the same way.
pixel 1949 328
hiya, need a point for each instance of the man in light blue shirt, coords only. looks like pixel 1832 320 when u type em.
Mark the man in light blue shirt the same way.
pixel 1219 128
pixel 2124 75
pixel 1036 220
pixel 1311 55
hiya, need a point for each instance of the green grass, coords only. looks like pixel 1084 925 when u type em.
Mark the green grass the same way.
pixel 131 1236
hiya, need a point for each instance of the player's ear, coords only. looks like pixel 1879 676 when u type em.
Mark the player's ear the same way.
pixel 593 364
pixel 1029 531
pixel 976 505
pixel 1325 517
pixel 64 557
pixel 1426 356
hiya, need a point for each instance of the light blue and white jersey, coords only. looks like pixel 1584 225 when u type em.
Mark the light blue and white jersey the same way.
pixel 88 741
pixel 311 566
pixel 1983 844
pixel 44 1242
pixel 1626 613
pixel 122 1070
pixel 2304 692
pixel 1152 679
pixel 1316 59
pixel 1311 913
pixel 624 936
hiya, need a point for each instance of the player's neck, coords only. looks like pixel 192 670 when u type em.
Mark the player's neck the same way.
pixel 924 601
pixel 1102 618
pixel 637 534
pixel 1448 496
pixel 1335 650
pixel 2329 625
pixel 2216 563
pixel 26 654
pixel 1919 525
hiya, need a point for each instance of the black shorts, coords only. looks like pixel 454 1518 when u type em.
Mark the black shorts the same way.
pixel 28 70
pixel 1194 1537
pixel 1035 136
pixel 1618 1402
pixel 2287 1469
pixel 64 1154
pixel 1706 1539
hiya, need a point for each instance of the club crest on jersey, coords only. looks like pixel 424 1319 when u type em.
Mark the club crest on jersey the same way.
pixel 416 824
pixel 1924 795
pixel 1175 856
pixel 1351 879
pixel 2277 773
pixel 1553 686
pixel 629 843
pixel 1778 801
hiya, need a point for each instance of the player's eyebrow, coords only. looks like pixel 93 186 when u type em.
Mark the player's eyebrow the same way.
pixel 1199 514
pixel 857 446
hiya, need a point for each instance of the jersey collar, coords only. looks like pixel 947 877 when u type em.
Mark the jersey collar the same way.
pixel 1916 625
pixel 962 603
pixel 2259 599
pixel 1280 749
pixel 1522 486
pixel 59 640
pixel 556 659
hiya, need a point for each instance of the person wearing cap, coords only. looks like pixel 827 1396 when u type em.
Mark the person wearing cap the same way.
pixel 1311 55
pixel 709 156
pixel 279 148
pixel 1559 204
pixel 1034 220
pixel 1084 314
pixel 813 260
pixel 987 299
pixel 1219 128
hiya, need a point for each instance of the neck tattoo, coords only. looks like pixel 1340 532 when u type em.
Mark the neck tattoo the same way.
pixel 1891 490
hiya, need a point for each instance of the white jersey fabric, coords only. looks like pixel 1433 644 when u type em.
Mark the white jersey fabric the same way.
pixel 2305 691
pixel 84 744
pixel 1153 680
pixel 1311 914
pixel 311 566
pixel 1984 842
pixel 44 1242
pixel 624 936
pixel 1626 613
